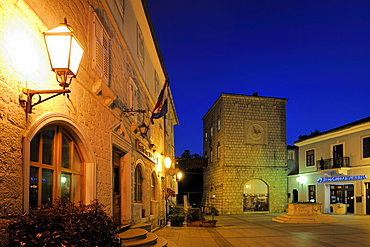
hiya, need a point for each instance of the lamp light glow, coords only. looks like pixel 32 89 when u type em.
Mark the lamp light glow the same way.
pixel 179 175
pixel 167 162
pixel 65 53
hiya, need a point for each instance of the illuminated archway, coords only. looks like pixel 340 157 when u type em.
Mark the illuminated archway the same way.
pixel 256 196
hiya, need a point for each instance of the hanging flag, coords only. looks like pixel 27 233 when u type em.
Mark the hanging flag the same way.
pixel 160 108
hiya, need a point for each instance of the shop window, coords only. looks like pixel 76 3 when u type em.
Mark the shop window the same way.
pixel 56 167
pixel 366 147
pixel 312 193
pixel 137 185
pixel 310 157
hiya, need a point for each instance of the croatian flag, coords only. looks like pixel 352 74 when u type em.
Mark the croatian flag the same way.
pixel 160 108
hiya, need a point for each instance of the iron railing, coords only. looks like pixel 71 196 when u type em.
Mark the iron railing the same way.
pixel 332 163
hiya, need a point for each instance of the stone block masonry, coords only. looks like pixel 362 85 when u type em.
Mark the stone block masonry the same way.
pixel 246 141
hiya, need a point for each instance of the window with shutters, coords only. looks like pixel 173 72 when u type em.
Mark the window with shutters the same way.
pixel 133 94
pixel 100 50
pixel 156 83
pixel 140 45
pixel 121 7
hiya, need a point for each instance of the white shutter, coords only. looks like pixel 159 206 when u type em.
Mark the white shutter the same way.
pixel 101 50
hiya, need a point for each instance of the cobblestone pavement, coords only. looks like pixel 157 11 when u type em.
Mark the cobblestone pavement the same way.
pixel 260 230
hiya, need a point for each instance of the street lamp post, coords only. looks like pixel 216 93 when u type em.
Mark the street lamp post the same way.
pixel 65 54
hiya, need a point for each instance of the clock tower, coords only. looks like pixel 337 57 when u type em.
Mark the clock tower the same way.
pixel 245 143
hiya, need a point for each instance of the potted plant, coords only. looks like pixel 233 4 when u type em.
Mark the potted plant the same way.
pixel 213 211
pixel 177 219
pixel 193 217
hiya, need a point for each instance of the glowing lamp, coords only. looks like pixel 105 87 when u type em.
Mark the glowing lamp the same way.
pixel 179 176
pixel 65 52
pixel 167 162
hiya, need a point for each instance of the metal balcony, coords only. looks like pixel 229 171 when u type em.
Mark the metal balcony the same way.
pixel 332 163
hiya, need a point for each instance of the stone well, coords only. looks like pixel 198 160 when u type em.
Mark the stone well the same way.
pixel 304 213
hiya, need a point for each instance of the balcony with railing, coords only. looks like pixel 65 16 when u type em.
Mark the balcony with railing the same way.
pixel 332 163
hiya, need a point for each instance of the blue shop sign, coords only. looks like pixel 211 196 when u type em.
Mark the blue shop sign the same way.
pixel 340 179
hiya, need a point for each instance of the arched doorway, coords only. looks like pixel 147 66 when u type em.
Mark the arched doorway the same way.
pixel 255 196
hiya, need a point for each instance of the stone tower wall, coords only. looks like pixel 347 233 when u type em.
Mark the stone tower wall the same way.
pixel 235 160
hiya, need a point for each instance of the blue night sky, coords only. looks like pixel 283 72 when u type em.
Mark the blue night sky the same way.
pixel 316 53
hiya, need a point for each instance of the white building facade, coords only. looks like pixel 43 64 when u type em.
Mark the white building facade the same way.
pixel 334 168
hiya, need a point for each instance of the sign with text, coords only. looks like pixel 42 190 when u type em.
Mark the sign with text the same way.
pixel 147 153
pixel 340 179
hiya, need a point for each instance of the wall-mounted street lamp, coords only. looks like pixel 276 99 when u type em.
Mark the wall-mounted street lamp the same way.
pixel 65 53
pixel 174 172
pixel 143 128
pixel 301 180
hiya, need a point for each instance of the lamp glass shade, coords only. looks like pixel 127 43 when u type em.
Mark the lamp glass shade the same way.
pixel 65 52
pixel 167 162
pixel 179 175
pixel 143 128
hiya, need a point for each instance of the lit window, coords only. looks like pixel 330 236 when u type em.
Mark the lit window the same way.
pixel 218 124
pixel 312 193
pixel 137 185
pixel 55 155
pixel 310 157
pixel 211 131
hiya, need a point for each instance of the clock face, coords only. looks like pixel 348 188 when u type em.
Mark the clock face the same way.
pixel 255 132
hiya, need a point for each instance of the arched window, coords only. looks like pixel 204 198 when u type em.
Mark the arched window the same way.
pixel 152 187
pixel 56 167
pixel 256 197
pixel 137 185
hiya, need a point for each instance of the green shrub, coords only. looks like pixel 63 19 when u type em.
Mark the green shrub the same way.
pixel 177 219
pixel 64 224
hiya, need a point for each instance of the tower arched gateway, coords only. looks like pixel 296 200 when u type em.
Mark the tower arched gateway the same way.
pixel 256 196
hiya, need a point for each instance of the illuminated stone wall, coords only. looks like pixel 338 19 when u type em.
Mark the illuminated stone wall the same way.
pixel 239 154
pixel 94 108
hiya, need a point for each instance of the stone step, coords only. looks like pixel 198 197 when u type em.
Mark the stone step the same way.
pixel 149 240
pixel 123 228
pixel 161 242
pixel 145 226
pixel 286 218
pixel 133 234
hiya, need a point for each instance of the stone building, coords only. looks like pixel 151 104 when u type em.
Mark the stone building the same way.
pixel 245 142
pixel 85 143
